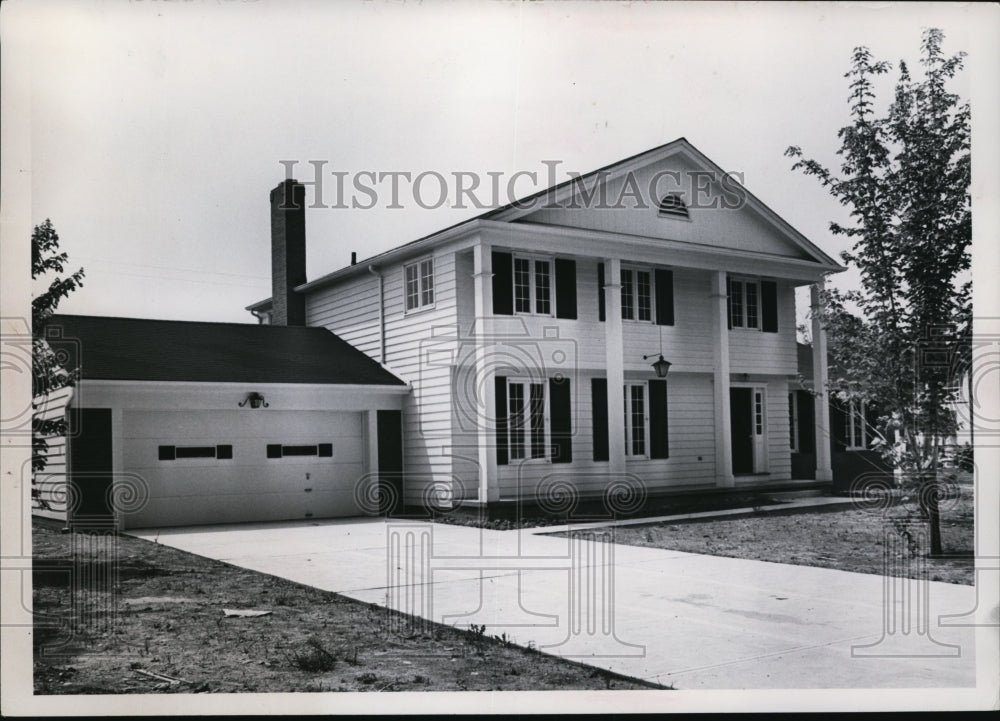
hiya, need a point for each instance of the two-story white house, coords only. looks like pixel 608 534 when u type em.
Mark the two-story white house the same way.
pixel 627 334
pixel 528 336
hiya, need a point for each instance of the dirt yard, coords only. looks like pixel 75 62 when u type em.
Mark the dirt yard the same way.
pixel 850 540
pixel 162 630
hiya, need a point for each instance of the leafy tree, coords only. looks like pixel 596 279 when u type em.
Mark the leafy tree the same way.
pixel 904 177
pixel 48 375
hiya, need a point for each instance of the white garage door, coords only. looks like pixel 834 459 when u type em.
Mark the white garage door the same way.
pixel 206 467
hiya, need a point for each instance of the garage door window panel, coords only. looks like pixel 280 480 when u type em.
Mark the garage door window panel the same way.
pixel 173 453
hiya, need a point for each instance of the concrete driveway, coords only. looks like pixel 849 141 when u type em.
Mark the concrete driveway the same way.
pixel 698 622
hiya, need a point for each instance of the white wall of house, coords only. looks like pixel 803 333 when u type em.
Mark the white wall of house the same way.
pixel 419 348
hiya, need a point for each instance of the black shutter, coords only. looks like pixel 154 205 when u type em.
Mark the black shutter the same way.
pixel 664 297
pixel 729 304
pixel 599 403
pixel 659 441
pixel 501 398
pixel 565 288
pixel 561 420
pixel 225 452
pixel 600 291
pixel 769 306
pixel 274 450
pixel 167 453
pixel 503 284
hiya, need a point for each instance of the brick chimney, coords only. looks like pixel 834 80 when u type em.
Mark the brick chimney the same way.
pixel 288 253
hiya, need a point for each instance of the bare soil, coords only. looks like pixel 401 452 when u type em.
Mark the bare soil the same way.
pixel 855 539
pixel 117 614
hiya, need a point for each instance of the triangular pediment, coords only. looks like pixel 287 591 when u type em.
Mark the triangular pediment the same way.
pixel 671 193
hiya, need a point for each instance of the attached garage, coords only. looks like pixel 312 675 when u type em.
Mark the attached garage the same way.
pixel 225 466
pixel 274 423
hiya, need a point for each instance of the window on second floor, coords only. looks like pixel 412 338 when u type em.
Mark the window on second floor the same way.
pixel 637 294
pixel 532 285
pixel 752 304
pixel 419 284
pixel 744 307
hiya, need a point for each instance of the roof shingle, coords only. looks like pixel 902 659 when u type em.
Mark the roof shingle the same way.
pixel 138 349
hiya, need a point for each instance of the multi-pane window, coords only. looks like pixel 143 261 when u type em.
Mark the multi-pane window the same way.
pixel 636 419
pixel 744 304
pixel 532 286
pixel 758 413
pixel 856 431
pixel 637 294
pixel 419 282
pixel 526 419
pixel 793 422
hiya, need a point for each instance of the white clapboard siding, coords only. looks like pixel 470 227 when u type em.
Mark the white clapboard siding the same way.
pixel 753 351
pixel 51 484
pixel 779 453
pixel 350 309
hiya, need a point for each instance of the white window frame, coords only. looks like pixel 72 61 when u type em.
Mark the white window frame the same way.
pixel 793 421
pixel 744 315
pixel 634 270
pixel 528 430
pixel 423 288
pixel 626 391
pixel 856 419
pixel 533 298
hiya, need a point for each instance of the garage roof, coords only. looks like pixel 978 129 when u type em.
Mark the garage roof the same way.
pixel 139 349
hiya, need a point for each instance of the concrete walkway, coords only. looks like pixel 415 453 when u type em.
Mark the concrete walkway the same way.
pixel 698 622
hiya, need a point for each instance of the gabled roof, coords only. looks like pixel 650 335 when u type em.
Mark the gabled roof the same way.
pixel 523 206
pixel 140 349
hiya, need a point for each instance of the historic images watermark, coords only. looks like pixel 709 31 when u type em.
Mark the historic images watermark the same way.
pixel 367 189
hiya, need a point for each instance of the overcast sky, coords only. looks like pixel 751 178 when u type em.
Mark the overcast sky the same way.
pixel 156 128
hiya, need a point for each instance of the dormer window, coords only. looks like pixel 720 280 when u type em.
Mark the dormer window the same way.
pixel 672 206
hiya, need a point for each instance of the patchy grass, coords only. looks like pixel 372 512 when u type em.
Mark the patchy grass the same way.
pixel 162 630
pixel 849 540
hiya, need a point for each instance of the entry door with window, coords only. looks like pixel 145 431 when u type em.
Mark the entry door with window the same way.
pixel 748 430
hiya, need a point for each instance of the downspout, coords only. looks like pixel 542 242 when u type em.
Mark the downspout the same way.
pixel 381 314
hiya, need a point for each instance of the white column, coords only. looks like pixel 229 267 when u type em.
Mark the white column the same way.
pixel 720 383
pixel 486 411
pixel 824 471
pixel 614 346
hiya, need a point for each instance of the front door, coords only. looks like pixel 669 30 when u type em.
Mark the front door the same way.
pixel 742 428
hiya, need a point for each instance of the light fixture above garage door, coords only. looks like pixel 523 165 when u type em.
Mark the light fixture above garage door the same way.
pixel 256 400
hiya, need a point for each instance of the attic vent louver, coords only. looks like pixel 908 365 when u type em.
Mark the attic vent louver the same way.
pixel 672 206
